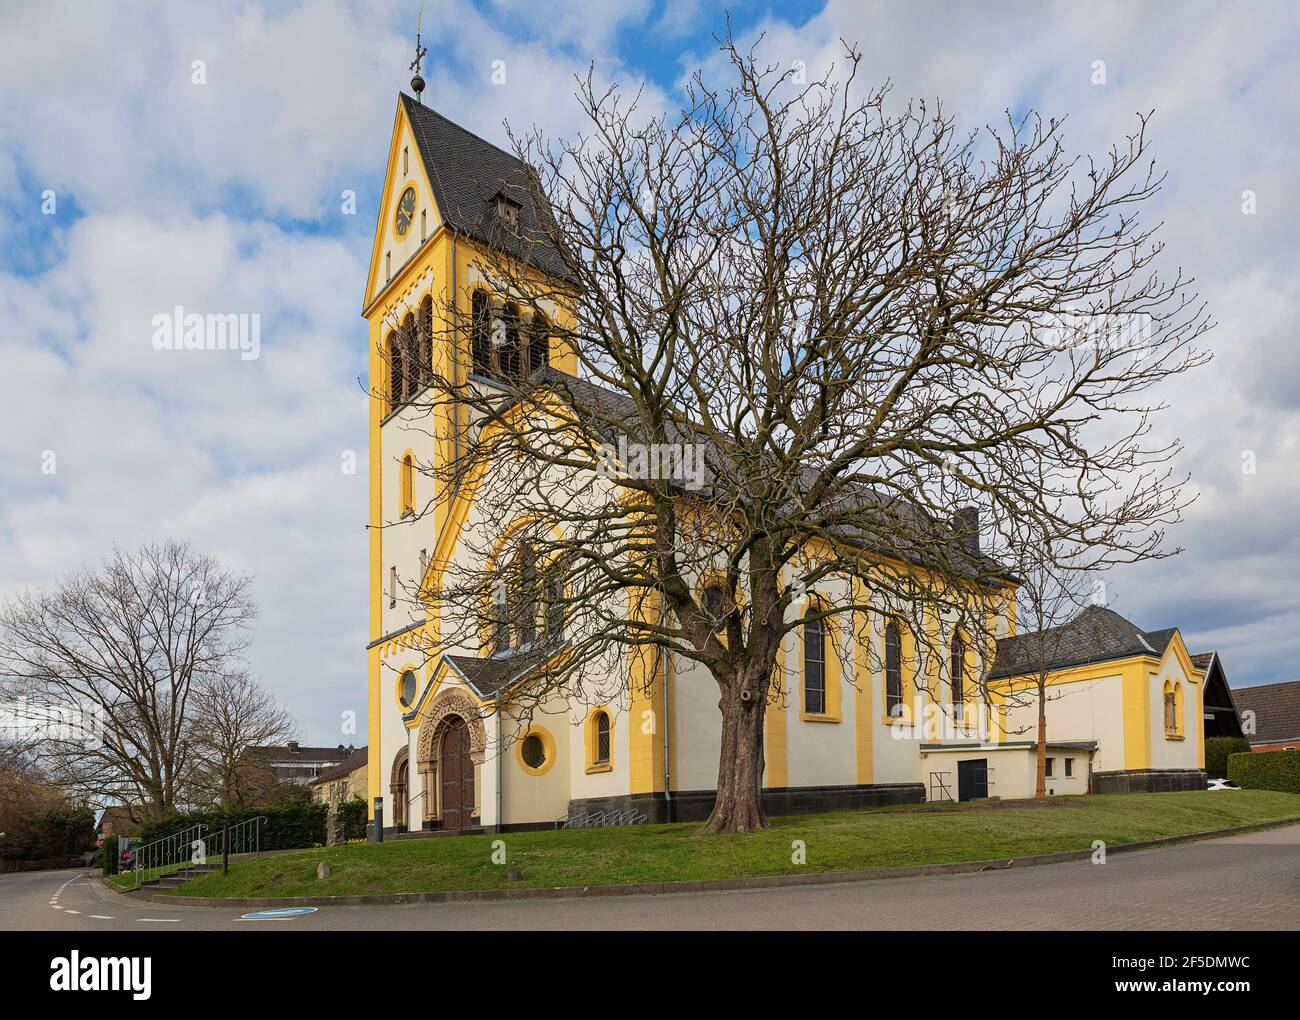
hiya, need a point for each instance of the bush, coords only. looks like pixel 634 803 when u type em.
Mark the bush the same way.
pixel 1267 770
pixel 108 855
pixel 287 826
pixel 1217 750
pixel 355 818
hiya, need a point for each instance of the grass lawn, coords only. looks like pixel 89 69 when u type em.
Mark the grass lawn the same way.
pixel 847 841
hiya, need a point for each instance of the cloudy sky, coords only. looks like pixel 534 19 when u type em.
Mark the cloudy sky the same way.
pixel 228 195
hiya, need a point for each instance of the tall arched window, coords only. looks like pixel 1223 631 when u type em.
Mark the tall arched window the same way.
pixel 480 333
pixel 893 669
pixel 957 667
pixel 712 602
pixel 553 593
pixel 539 343
pixel 525 597
pixel 598 737
pixel 407 486
pixel 509 355
pixel 396 373
pixel 424 343
pixel 814 664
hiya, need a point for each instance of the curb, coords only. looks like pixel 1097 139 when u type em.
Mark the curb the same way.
pixel 707 885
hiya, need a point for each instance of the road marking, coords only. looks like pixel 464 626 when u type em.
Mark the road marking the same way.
pixel 280 914
pixel 160 920
pixel 101 917
pixel 57 907
pixel 68 911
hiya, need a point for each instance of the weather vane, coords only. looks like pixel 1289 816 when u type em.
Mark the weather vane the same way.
pixel 417 82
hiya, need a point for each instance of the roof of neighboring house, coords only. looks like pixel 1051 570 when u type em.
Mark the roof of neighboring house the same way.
pixel 1202 660
pixel 118 814
pixel 346 767
pixel 467 173
pixel 1095 635
pixel 1276 708
pixel 292 752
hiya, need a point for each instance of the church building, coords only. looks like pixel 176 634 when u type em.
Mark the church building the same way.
pixel 1126 705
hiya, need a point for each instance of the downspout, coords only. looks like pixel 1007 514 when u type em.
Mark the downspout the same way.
pixel 455 359
pixel 497 749
pixel 668 774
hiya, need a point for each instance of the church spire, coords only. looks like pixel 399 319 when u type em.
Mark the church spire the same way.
pixel 417 82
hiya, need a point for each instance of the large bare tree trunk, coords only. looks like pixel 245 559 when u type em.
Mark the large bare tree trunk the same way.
pixel 739 807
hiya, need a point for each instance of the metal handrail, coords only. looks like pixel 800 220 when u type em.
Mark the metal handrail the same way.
pixel 164 853
pixel 189 850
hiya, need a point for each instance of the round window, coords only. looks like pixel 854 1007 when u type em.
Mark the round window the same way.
pixel 534 751
pixel 407 689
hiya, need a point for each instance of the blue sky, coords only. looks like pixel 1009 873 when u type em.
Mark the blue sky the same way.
pixel 227 195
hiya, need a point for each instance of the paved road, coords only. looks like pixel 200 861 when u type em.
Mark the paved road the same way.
pixel 1250 881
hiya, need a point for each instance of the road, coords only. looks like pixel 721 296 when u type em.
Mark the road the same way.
pixel 1250 881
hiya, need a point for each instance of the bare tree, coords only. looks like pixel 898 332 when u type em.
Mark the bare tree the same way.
pixel 106 662
pixel 864 325
pixel 232 714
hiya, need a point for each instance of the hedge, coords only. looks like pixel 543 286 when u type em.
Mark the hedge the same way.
pixel 1266 770
pixel 287 826
pixel 1217 750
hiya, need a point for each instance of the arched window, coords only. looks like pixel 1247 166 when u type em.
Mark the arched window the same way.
pixel 407 486
pixel 712 602
pixel 498 622
pixel 424 343
pixel 539 343
pixel 893 669
pixel 508 356
pixel 553 593
pixel 1170 711
pixel 957 665
pixel 396 373
pixel 598 741
pixel 411 373
pixel 480 333
pixel 524 602
pixel 814 664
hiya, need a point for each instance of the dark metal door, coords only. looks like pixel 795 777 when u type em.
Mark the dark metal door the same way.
pixel 457 771
pixel 973 779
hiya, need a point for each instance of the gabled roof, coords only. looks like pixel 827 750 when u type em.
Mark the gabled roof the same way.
pixel 1095 635
pixel 467 173
pixel 1276 708
pixel 610 414
pixel 346 767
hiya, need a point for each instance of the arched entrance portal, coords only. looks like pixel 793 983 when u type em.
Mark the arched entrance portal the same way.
pixel 456 775
pixel 449 755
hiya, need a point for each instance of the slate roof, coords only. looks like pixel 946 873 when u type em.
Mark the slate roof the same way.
pixel 467 172
pixel 1276 708
pixel 487 676
pixel 308 755
pixel 346 767
pixel 1095 635
pixel 1202 660
pixel 610 413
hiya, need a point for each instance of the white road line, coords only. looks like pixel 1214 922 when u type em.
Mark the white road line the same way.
pixel 57 907
pixel 101 917
pixel 161 920
pixel 68 911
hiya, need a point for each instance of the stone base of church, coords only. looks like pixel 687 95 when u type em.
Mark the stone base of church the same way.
pixel 695 805
pixel 1148 781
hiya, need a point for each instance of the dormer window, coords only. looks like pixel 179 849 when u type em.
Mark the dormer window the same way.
pixel 508 211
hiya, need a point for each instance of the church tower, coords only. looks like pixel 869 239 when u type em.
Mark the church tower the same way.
pixel 449 199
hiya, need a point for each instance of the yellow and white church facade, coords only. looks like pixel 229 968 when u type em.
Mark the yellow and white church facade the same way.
pixel 445 753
